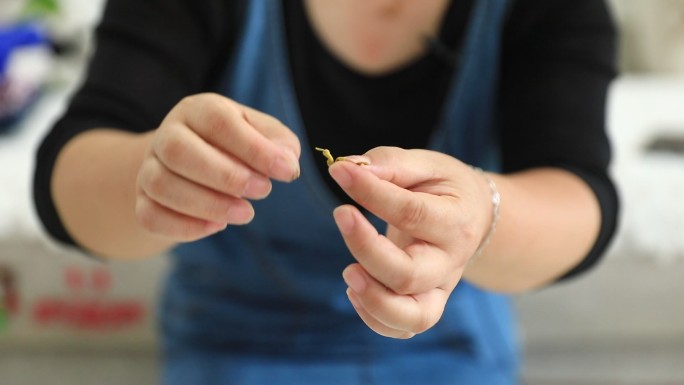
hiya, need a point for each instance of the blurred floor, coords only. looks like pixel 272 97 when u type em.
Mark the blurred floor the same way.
pixel 630 365
pixel 621 324
pixel 634 364
pixel 83 368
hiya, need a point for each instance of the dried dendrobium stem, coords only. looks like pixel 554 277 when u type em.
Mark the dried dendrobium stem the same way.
pixel 330 160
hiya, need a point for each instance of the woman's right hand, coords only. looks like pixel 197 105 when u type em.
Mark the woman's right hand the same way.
pixel 207 159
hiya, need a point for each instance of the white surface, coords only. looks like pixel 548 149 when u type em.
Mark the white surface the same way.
pixel 651 185
pixel 17 159
pixel 73 23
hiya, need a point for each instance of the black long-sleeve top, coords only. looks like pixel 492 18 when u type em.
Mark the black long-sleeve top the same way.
pixel 556 66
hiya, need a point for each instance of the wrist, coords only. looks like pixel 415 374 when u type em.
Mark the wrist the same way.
pixel 494 197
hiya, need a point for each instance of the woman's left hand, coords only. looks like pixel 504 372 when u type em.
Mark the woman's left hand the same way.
pixel 438 210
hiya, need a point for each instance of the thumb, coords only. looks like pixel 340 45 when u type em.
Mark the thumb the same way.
pixel 410 168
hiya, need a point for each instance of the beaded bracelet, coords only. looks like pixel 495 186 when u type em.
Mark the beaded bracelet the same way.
pixel 496 211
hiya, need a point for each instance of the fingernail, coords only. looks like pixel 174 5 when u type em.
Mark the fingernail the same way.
pixel 358 159
pixel 294 162
pixel 240 214
pixel 257 188
pixel 354 280
pixel 341 176
pixel 352 298
pixel 344 219
pixel 216 227
pixel 286 167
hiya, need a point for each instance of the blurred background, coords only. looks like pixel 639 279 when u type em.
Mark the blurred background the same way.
pixel 65 319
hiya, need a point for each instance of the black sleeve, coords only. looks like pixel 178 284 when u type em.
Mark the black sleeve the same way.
pixel 558 62
pixel 148 56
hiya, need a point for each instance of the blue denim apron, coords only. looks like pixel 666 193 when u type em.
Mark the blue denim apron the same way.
pixel 265 303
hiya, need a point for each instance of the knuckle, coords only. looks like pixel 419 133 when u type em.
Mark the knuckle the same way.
pixel 216 208
pixel 469 232
pixel 253 154
pixel 172 150
pixel 407 282
pixel 364 247
pixel 405 335
pixel 233 180
pixel 374 302
pixel 295 144
pixel 387 153
pixel 364 197
pixel 215 121
pixel 412 214
pixel 425 322
pixel 144 172
pixel 198 102
pixel 199 98
pixel 272 121
pixel 187 102
pixel 188 232
pixel 257 117
pixel 154 183
pixel 149 217
pixel 428 319
pixel 194 102
pixel 145 215
pixel 289 140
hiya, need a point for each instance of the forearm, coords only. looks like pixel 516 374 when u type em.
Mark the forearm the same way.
pixel 549 222
pixel 94 189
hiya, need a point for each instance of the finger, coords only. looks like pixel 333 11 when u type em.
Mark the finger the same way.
pixel 273 129
pixel 417 213
pixel 187 155
pixel 425 268
pixel 225 124
pixel 374 324
pixel 191 199
pixel 412 313
pixel 413 168
pixel 162 221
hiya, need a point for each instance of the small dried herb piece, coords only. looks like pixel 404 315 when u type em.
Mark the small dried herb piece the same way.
pixel 328 156
pixel 330 160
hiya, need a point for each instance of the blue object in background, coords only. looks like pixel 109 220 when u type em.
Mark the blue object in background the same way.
pixel 13 38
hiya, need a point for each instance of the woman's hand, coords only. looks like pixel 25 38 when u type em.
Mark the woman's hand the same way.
pixel 207 159
pixel 438 211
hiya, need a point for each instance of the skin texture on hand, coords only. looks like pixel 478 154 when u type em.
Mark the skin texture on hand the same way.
pixel 434 207
pixel 209 157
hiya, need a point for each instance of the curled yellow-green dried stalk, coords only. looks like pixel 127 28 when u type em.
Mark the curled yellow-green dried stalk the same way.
pixel 330 160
